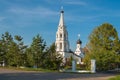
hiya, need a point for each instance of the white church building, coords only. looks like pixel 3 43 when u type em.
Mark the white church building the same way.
pixel 62 43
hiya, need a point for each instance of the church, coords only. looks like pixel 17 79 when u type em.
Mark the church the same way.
pixel 62 43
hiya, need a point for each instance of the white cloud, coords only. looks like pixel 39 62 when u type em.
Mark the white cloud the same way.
pixel 41 11
pixel 27 17
pixel 76 3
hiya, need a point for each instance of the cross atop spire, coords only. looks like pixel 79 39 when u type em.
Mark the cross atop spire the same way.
pixel 78 36
pixel 61 7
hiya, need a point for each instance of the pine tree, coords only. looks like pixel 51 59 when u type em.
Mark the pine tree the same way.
pixel 29 58
pixel 5 42
pixel 21 50
pixel 52 59
pixel 37 48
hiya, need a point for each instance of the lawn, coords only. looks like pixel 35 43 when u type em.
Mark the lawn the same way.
pixel 115 78
pixel 29 69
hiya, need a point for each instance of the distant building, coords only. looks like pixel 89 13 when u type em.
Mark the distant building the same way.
pixel 62 42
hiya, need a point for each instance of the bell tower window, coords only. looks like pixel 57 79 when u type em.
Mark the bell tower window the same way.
pixel 60 45
pixel 60 35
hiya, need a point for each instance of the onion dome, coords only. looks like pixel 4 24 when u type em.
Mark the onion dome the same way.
pixel 79 41
pixel 62 11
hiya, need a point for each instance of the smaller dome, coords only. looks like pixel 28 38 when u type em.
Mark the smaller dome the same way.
pixel 79 41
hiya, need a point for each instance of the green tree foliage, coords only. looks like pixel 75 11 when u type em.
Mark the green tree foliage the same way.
pixel 87 61
pixel 15 53
pixel 103 46
pixel 29 59
pixel 6 41
pixel 37 47
pixel 2 54
pixel 52 59
pixel 21 49
pixel 11 52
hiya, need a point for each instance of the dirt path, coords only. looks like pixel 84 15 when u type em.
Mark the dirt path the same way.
pixel 8 74
pixel 94 78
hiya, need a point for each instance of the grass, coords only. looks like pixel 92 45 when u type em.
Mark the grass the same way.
pixel 115 78
pixel 37 69
pixel 30 69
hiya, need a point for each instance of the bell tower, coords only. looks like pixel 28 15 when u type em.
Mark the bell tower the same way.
pixel 62 43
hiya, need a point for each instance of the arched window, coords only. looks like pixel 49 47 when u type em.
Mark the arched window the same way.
pixel 60 45
pixel 60 35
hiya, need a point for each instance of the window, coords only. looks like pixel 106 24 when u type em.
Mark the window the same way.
pixel 60 35
pixel 60 45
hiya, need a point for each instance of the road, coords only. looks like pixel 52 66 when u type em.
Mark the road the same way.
pixel 7 74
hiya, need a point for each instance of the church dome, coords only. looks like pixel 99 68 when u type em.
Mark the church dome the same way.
pixel 62 11
pixel 79 41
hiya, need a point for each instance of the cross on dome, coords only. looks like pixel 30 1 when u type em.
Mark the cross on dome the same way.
pixel 62 11
pixel 78 36
pixel 79 41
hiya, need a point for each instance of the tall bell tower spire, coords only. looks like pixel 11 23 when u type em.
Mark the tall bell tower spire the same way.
pixel 62 43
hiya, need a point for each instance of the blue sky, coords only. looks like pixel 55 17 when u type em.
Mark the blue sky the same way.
pixel 31 17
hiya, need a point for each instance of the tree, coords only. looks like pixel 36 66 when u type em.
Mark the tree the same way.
pixel 52 59
pixel 5 42
pixel 103 44
pixel 37 48
pixel 11 52
pixel 118 55
pixel 21 50
pixel 1 52
pixel 29 58
pixel 87 58
pixel 13 56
